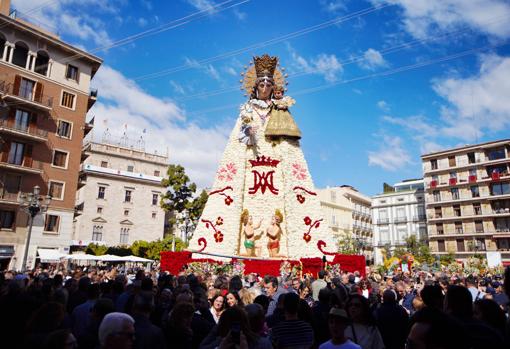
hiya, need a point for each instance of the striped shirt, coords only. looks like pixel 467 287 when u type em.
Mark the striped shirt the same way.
pixel 292 334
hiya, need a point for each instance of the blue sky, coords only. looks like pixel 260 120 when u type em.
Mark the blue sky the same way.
pixel 377 83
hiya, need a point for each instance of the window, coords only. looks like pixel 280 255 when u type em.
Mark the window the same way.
pixel 101 192
pixel 7 219
pixel 20 54
pixel 126 212
pixel 16 153
pixel 72 72
pixel 453 175
pixel 439 229
pixel 458 228
pixel 155 199
pixel 104 163
pixel 441 246
pixel 333 220
pixel 433 164
pixel 438 212
pixel 41 63
pixel 455 193
pixel 99 210
pixel 456 211
pixel 477 209
pixel 97 233
pixel 500 188
pixel 480 243
pixel 51 223
pixel 156 173
pixel 127 196
pixel 496 154
pixel 56 190
pixel 471 158
pixel 64 129
pixel 401 214
pixel 475 192
pixel 479 226
pixel 460 245
pixel 400 200
pixel 124 236
pixel 437 195
pixel 21 120
pixel 59 158
pixel 130 168
pixel 11 186
pixel 26 89
pixel 333 196
pixel 423 233
pixel 383 201
pixel 153 215
pixel 451 161
pixel 67 100
pixel 472 171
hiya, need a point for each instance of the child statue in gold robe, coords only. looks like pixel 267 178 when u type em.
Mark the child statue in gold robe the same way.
pixel 281 123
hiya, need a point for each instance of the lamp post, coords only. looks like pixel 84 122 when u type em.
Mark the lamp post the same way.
pixel 32 203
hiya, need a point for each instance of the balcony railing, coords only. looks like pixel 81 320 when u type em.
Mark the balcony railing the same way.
pixel 7 196
pixel 27 165
pixel 26 93
pixel 29 131
pixel 383 221
pixel 400 219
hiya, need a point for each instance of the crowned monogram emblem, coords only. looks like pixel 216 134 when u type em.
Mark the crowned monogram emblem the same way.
pixel 264 161
pixel 263 180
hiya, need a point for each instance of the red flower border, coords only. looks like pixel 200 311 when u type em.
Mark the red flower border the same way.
pixel 311 225
pixel 218 235
pixel 228 199
pixel 300 191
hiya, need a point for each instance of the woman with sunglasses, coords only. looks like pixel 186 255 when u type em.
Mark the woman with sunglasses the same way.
pixel 362 330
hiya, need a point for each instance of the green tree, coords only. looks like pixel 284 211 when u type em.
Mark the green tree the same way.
pixel 347 244
pixel 139 248
pixel 158 246
pixel 447 259
pixel 119 250
pixel 96 250
pixel 196 207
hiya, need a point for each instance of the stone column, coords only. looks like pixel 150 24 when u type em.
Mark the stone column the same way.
pixel 30 60
pixel 11 53
pixel 4 52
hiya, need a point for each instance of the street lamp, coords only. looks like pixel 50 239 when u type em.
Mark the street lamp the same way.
pixel 32 203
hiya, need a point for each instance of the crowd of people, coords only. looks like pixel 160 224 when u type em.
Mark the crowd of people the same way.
pixel 108 308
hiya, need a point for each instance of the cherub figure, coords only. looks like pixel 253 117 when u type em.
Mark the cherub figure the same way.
pixel 248 230
pixel 274 232
pixel 281 124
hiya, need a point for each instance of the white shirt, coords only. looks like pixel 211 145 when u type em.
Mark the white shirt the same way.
pixel 215 317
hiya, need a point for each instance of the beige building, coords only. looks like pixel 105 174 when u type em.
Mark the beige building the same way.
pixel 468 199
pixel 119 195
pixel 347 211
pixel 44 99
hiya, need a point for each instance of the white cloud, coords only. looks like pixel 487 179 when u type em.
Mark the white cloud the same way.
pixel 69 17
pixel 231 71
pixel 333 6
pixel 478 103
pixel 212 72
pixel 326 65
pixel 422 18
pixel 372 59
pixel 391 155
pixel 122 101
pixel 239 14
pixel 202 5
pixel 177 87
pixel 383 106
pixel 142 22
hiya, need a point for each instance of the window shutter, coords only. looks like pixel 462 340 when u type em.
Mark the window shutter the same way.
pixel 38 92
pixel 33 121
pixel 6 148
pixel 28 156
pixel 17 84
pixel 11 117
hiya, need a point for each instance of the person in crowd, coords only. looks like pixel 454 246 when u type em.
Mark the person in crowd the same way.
pixel 292 333
pixel 218 304
pixel 46 319
pixel 257 319
pixel 320 312
pixel 392 321
pixel 147 335
pixel 61 339
pixel 489 312
pixel 363 329
pixel 473 287
pixel 81 315
pixel 318 285
pixel 296 285
pixel 116 331
pixel 247 296
pixel 179 332
pixel 338 321
pixel 304 294
pixel 273 292
pixel 232 299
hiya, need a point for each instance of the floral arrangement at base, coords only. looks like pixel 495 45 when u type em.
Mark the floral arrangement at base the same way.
pixel 333 270
pixel 237 267
pixel 455 268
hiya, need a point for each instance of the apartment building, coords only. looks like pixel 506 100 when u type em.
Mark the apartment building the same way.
pixel 45 96
pixel 398 213
pixel 347 211
pixel 468 199
pixel 119 195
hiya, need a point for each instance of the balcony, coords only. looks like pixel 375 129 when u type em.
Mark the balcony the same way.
pixel 82 180
pixel 383 221
pixel 400 219
pixel 78 209
pixel 88 126
pixel 26 166
pixel 30 133
pixel 9 198
pixel 25 96
pixel 420 217
pixel 92 98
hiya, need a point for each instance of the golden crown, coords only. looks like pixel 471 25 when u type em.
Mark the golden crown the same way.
pixel 265 65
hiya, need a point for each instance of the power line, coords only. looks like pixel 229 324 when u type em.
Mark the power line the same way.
pixel 374 75
pixel 264 43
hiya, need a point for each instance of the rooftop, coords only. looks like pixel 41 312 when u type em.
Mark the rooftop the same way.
pixel 466 147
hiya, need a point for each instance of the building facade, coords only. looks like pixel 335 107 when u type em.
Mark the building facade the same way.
pixel 45 96
pixel 348 213
pixel 119 197
pixel 397 215
pixel 468 199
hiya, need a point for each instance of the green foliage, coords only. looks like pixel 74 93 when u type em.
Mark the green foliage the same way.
pixel 139 248
pixel 96 250
pixel 196 206
pixel 179 191
pixel 347 244
pixel 119 251
pixel 447 259
pixel 158 246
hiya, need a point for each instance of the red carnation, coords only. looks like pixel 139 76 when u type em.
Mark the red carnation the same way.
pixel 307 237
pixel 219 221
pixel 308 220
pixel 228 200
pixel 300 198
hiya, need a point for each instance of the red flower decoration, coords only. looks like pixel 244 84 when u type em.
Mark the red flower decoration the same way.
pixel 307 237
pixel 218 236
pixel 307 220
pixel 300 198
pixel 317 225
pixel 219 221
pixel 228 200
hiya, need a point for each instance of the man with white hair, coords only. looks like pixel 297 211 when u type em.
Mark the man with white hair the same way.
pixel 117 331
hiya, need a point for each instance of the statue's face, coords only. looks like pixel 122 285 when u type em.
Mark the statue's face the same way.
pixel 250 220
pixel 264 89
pixel 273 220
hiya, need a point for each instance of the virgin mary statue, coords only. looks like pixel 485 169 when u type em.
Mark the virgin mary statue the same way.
pixel 263 177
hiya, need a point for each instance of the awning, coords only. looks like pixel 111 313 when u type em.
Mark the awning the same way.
pixel 136 259
pixel 48 255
